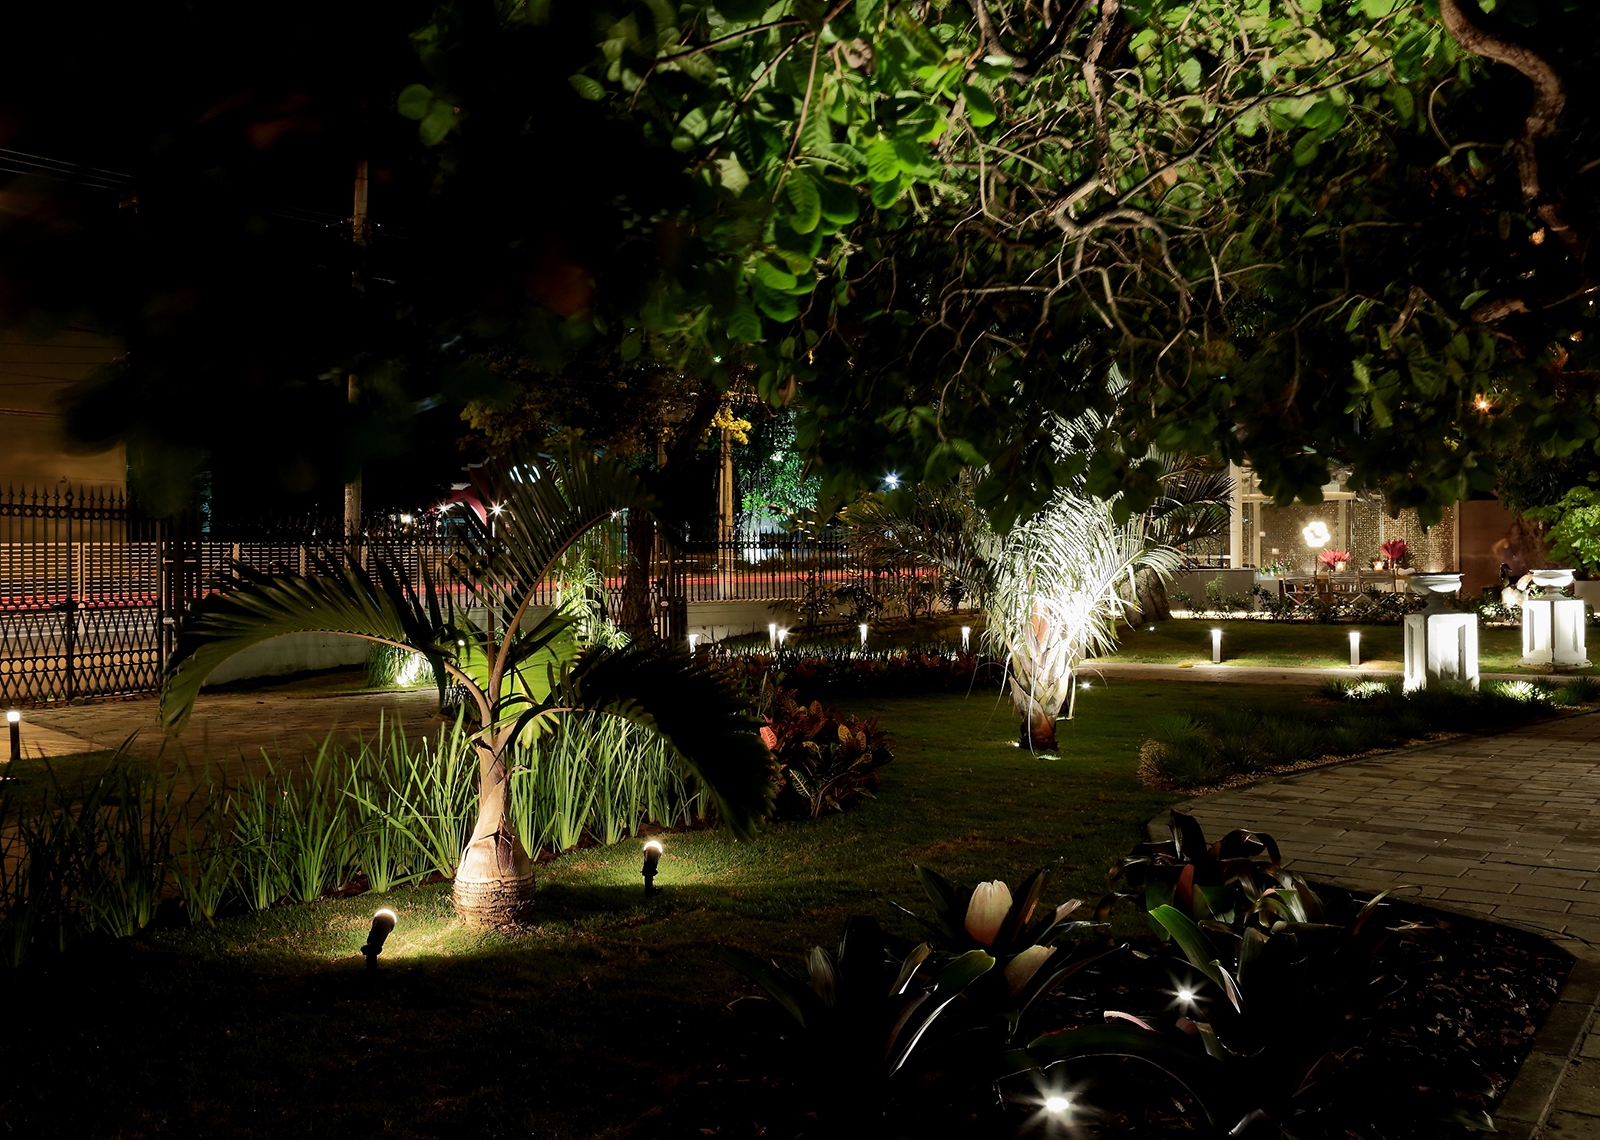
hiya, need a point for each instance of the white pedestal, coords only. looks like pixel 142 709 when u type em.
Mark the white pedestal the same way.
pixel 1552 633
pixel 1441 651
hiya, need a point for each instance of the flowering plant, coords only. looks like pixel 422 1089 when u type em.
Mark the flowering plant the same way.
pixel 1329 557
pixel 1395 550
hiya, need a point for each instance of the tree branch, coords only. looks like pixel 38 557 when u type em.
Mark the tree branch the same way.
pixel 1549 100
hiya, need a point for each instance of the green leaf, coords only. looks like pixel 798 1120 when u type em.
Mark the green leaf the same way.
pixel 838 202
pixel 779 306
pixel 884 194
pixel 1189 73
pixel 802 195
pixel 414 101
pixel 1404 105
pixel 914 159
pixel 587 87
pixel 744 324
pixel 437 124
pixel 883 164
pixel 1473 298
pixel 792 240
pixel 774 276
pixel 631 346
pixel 1305 150
pixel 980 108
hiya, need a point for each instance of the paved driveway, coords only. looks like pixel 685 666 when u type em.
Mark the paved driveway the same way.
pixel 1504 826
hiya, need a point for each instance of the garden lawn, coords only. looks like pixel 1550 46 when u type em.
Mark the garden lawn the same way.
pixel 1249 641
pixel 267 1024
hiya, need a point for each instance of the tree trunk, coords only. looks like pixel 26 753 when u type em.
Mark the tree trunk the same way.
pixel 635 619
pixel 1038 718
pixel 494 880
pixel 1152 591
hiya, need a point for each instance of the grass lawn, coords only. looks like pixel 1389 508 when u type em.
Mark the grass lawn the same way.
pixel 1268 643
pixel 267 1025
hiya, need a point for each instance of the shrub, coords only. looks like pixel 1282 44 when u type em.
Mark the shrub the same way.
pixel 827 760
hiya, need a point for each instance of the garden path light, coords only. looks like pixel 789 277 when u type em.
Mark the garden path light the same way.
pixel 863 628
pixel 1216 647
pixel 1355 647
pixel 652 856
pixel 14 722
pixel 966 637
pixel 382 923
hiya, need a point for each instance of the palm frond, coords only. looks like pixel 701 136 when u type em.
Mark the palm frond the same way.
pixel 711 730
pixel 345 599
pixel 538 509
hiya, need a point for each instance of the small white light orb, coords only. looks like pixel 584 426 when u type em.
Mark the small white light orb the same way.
pixel 891 480
pixel 406 519
pixel 1085 685
pixel 12 716
pixel 1186 996
pixel 1057 1105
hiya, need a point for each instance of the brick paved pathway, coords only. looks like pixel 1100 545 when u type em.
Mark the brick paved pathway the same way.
pixel 1507 827
pixel 1504 826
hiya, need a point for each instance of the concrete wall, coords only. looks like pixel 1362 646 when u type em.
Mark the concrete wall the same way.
pixel 1194 583
pixel 291 653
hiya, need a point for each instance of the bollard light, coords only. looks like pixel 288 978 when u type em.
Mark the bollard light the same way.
pixel 1216 647
pixel 1355 647
pixel 14 722
pixel 382 923
pixel 694 640
pixel 966 637
pixel 863 628
pixel 652 856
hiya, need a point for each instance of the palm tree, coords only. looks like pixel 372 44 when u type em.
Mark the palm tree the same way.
pixel 1054 598
pixel 519 674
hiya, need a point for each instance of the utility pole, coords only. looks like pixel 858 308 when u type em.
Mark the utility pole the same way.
pixel 358 229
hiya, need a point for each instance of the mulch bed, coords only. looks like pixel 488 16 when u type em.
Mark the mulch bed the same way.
pixel 1472 1016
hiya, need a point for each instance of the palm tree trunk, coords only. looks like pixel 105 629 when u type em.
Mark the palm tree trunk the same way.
pixel 494 880
pixel 1152 595
pixel 1039 708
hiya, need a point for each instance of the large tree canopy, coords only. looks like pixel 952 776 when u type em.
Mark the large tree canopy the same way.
pixel 1302 232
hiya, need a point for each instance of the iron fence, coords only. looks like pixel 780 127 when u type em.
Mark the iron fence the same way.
pixel 91 590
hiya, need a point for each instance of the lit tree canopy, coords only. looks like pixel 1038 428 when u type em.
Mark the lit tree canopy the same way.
pixel 1301 231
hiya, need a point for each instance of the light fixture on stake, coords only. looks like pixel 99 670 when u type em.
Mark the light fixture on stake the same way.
pixel 382 923
pixel 14 723
pixel 1355 647
pixel 1216 647
pixel 652 856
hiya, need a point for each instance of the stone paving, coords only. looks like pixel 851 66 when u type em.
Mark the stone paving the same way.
pixel 1506 827
pixel 286 721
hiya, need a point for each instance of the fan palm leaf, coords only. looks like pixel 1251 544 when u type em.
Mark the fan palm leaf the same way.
pixel 343 598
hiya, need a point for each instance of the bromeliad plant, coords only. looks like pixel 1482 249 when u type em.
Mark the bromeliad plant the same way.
pixel 1208 883
pixel 1283 983
pixel 857 1015
pixel 519 675
pixel 1022 939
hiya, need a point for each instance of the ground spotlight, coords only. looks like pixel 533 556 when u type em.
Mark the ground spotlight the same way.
pixel 652 856
pixel 382 923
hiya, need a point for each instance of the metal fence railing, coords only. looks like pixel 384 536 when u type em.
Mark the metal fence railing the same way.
pixel 91 590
